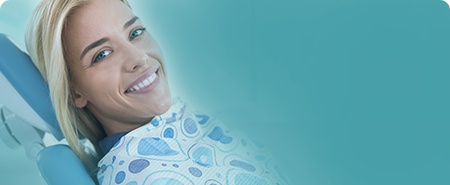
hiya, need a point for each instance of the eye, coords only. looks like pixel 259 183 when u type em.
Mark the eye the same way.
pixel 136 33
pixel 101 55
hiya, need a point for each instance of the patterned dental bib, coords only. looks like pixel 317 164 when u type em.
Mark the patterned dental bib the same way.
pixel 181 147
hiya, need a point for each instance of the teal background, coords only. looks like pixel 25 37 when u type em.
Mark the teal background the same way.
pixel 342 92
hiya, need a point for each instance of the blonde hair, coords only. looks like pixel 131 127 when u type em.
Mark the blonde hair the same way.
pixel 45 46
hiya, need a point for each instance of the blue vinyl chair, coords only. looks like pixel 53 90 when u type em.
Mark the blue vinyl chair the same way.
pixel 20 79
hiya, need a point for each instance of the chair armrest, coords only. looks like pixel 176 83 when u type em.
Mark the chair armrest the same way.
pixel 59 165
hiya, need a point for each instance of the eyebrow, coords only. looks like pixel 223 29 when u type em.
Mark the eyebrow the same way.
pixel 130 22
pixel 93 45
pixel 106 39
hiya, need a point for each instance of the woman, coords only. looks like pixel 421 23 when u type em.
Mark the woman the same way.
pixel 107 80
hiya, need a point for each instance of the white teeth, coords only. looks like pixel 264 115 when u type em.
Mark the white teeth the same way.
pixel 143 83
pixel 146 82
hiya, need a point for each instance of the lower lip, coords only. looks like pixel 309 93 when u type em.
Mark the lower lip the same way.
pixel 148 88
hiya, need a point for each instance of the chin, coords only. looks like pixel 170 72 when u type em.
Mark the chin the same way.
pixel 164 105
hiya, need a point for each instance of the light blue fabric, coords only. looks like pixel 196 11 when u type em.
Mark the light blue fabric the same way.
pixel 182 147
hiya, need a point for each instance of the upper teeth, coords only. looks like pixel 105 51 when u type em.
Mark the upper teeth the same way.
pixel 144 83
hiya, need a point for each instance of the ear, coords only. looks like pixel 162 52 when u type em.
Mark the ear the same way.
pixel 79 99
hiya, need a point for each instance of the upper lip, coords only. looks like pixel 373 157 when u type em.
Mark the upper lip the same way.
pixel 144 76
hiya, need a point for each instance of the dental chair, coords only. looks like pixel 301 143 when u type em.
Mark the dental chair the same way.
pixel 27 115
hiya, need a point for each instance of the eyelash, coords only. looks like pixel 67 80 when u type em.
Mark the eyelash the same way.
pixel 103 54
pixel 141 29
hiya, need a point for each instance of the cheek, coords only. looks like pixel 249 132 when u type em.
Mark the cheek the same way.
pixel 100 82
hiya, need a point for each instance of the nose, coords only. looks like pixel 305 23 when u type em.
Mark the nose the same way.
pixel 134 58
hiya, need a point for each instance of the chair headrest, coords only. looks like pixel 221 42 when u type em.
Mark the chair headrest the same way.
pixel 23 75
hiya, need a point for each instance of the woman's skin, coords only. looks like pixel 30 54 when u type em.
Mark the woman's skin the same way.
pixel 108 51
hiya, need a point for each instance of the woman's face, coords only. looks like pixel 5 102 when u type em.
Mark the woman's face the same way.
pixel 115 66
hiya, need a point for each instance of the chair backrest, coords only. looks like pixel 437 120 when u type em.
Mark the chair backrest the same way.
pixel 58 164
pixel 17 67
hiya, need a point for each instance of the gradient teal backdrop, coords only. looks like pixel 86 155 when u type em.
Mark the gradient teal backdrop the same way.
pixel 343 92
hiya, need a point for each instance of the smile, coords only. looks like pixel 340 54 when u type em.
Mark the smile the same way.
pixel 144 83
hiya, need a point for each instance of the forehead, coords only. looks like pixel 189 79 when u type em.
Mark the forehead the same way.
pixel 95 20
pixel 99 11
